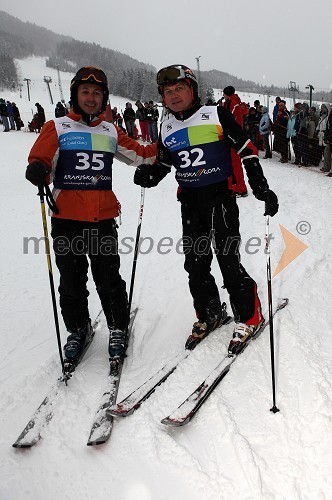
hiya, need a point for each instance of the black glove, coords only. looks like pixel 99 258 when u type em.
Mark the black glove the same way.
pixel 271 201
pixel 36 172
pixel 260 187
pixel 150 175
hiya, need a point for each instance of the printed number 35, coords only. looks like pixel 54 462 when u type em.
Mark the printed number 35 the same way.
pixel 84 159
pixel 187 160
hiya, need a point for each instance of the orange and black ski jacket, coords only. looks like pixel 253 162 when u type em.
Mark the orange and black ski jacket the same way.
pixel 87 205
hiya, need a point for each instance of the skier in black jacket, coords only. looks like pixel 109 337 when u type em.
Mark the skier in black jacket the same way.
pixel 197 141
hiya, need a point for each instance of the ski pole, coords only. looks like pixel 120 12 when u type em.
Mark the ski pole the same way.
pixel 138 233
pixel 274 408
pixel 53 207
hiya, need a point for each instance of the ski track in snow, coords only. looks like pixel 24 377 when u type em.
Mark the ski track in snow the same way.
pixel 234 447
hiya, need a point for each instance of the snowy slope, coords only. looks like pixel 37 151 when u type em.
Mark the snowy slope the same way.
pixel 235 447
pixel 35 69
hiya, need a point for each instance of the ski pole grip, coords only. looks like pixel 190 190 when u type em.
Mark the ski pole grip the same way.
pixel 49 197
pixel 41 192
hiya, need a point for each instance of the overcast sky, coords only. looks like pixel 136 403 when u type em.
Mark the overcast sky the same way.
pixel 269 42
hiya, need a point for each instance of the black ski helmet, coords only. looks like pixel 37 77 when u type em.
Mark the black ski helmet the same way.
pixel 174 73
pixel 88 74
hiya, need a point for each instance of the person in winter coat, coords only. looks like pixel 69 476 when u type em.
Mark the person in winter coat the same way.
pixel 293 127
pixel 312 122
pixel 76 153
pixel 152 116
pixel 41 116
pixel 328 145
pixel 10 115
pixel 141 117
pixel 120 124
pixel 322 126
pixel 258 107
pixel 17 117
pixel 34 124
pixel 4 115
pixel 281 141
pixel 233 104
pixel 60 110
pixel 303 135
pixel 252 125
pixel 129 119
pixel 115 115
pixel 314 151
pixel 197 140
pixel 265 131
pixel 147 108
pixel 245 112
pixel 276 109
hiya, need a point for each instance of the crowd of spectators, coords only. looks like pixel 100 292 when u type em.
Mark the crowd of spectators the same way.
pixel 305 132
pixel 10 116
pixel 147 115
pixel 301 136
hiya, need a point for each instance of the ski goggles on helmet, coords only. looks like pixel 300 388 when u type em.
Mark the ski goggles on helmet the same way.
pixel 91 74
pixel 173 74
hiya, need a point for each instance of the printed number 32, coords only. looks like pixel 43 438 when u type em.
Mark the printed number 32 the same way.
pixel 84 159
pixel 187 162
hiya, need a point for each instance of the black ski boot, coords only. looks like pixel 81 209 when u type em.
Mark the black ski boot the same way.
pixel 117 345
pixel 216 316
pixel 76 343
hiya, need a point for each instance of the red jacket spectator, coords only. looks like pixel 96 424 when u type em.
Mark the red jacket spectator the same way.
pixel 233 103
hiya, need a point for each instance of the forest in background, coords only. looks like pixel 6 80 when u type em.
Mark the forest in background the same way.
pixel 127 76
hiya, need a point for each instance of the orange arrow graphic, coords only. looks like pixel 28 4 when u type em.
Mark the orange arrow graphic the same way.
pixel 293 248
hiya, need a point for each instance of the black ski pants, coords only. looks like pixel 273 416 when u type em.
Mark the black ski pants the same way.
pixel 73 243
pixel 217 225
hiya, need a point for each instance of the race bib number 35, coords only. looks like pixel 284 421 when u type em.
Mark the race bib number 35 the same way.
pixel 84 170
pixel 87 161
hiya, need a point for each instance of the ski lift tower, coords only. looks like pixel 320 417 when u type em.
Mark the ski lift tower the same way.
pixel 60 86
pixel 311 88
pixel 28 80
pixel 48 80
pixel 292 87
pixel 199 77
pixel 268 95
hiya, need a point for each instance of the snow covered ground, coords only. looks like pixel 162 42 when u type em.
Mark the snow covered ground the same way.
pixel 235 447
